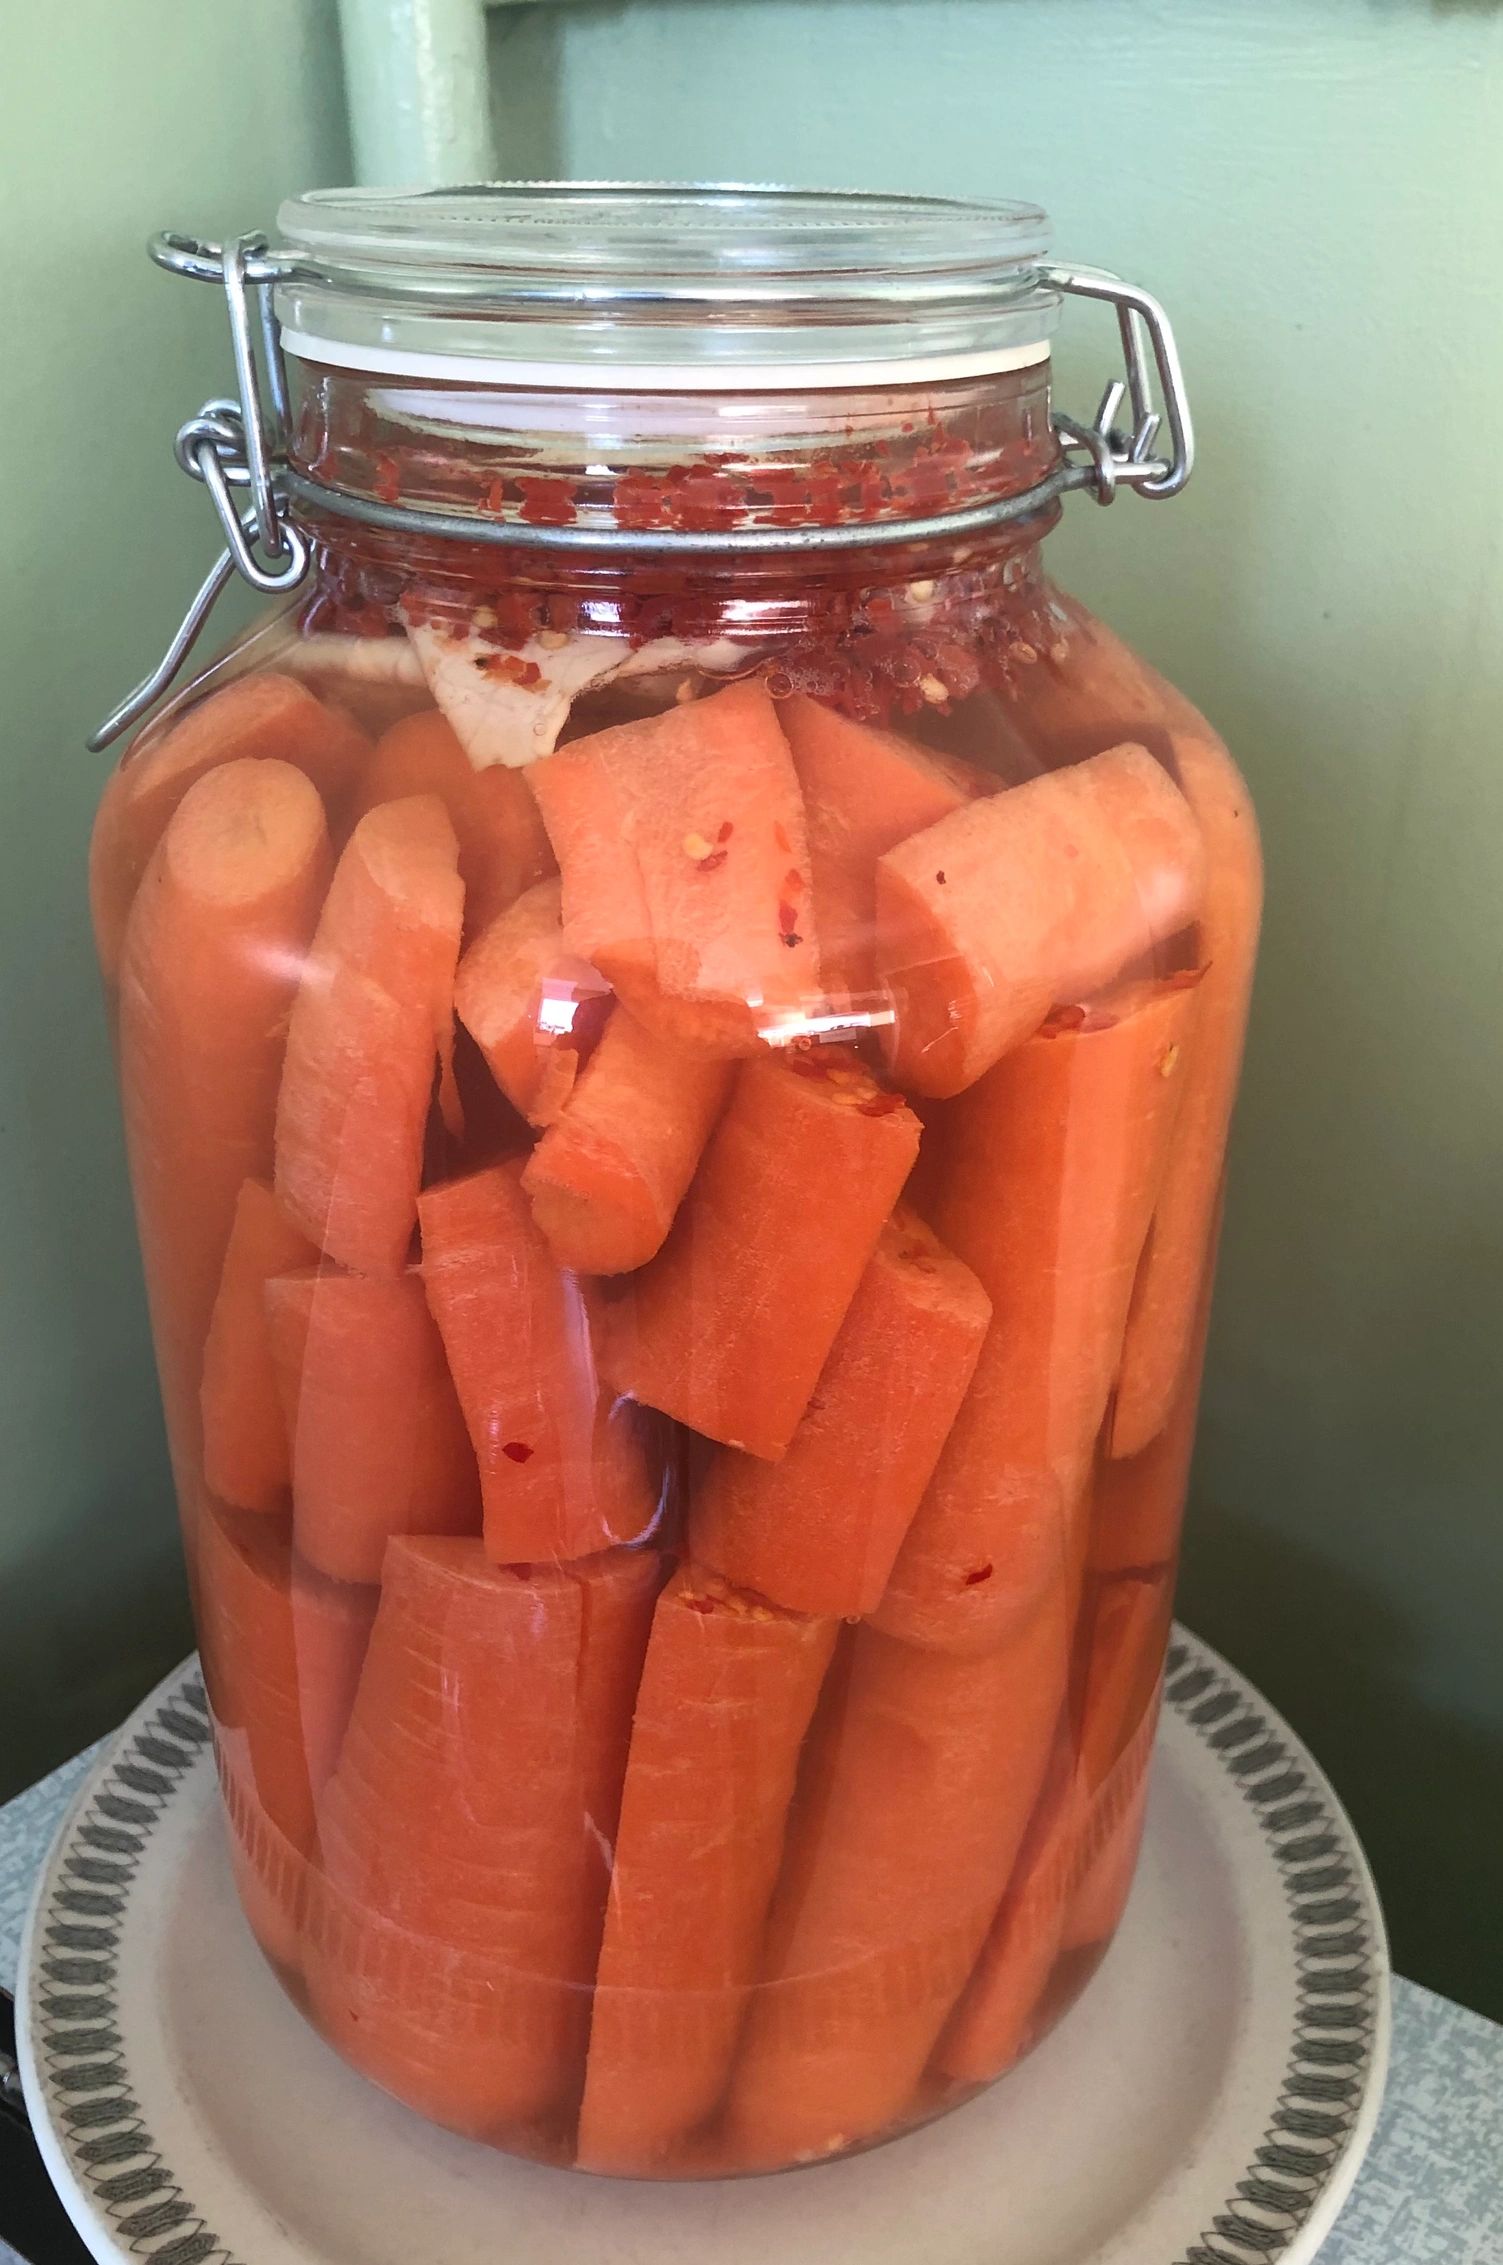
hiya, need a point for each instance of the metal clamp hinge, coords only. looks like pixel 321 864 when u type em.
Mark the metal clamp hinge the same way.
pixel 242 444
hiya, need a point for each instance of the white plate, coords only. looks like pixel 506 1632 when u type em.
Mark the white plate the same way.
pixel 1207 2102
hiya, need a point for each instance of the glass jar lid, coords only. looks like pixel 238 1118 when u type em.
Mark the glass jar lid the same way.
pixel 667 288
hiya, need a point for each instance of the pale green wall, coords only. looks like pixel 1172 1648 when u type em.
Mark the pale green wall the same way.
pixel 1316 189
pixel 117 117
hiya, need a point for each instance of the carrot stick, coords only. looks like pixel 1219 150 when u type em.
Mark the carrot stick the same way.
pixel 363 1044
pixel 864 791
pixel 331 1629
pixel 210 961
pixel 1043 893
pixel 610 1172
pixel 264 716
pixel 922 1779
pixel 503 848
pixel 1045 1179
pixel 532 1007
pixel 563 1472
pixel 992 2025
pixel 1111 1832
pixel 727 1691
pixel 1161 1324
pixel 378 1443
pixel 818 1531
pixel 685 866
pixel 1138 1501
pixel 730 1325
pixel 466 1831
pixel 1129 1630
pixel 1099 692
pixel 246 1457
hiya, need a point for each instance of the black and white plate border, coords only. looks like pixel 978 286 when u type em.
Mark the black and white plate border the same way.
pixel 103 2155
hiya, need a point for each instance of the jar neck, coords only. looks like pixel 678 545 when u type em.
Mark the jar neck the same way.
pixel 882 630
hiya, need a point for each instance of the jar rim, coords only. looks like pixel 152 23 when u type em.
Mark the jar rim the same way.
pixel 696 286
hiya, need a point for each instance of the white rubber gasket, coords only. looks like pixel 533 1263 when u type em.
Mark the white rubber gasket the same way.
pixel 663 377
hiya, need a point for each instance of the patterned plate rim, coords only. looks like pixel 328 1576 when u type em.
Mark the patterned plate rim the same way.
pixel 116 2181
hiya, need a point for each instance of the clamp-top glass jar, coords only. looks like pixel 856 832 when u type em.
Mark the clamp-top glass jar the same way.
pixel 678 1010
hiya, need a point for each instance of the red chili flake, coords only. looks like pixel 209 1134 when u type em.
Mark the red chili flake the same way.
pixel 787 915
pixel 725 832
pixel 548 503
pixel 881 1105
pixel 940 878
pixel 700 1604
pixel 792 938
pixel 510 668
pixel 713 862
pixel 778 833
pixel 982 1573
pixel 793 881
pixel 518 1451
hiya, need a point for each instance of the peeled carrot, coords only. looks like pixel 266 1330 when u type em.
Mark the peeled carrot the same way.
pixel 247 1461
pixel 610 1172
pixel 503 848
pixel 818 1531
pixel 1041 894
pixel 1129 1629
pixel 331 1628
pixel 378 1443
pixel 727 1692
pixel 264 716
pixel 1046 1175
pixel 865 790
pixel 211 955
pixel 531 1006
pixel 467 1830
pixel 1111 1833
pixel 563 1472
pixel 685 866
pixel 1161 1323
pixel 363 1046
pixel 992 2025
pixel 1138 1501
pixel 243 1600
pixel 922 1779
pixel 730 1325
pixel 1098 692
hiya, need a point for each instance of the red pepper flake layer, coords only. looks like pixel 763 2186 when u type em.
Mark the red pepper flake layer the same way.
pixel 518 1451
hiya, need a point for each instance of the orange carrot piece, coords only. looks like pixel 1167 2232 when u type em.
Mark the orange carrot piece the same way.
pixel 264 716
pixel 562 1471
pixel 1129 1630
pixel 363 1044
pixel 378 1443
pixel 467 1829
pixel 727 1693
pixel 685 866
pixel 250 1664
pixel 531 1006
pixel 211 955
pixel 1043 893
pixel 1111 1833
pixel 1046 1176
pixel 923 1776
pixel 992 2025
pixel 730 1325
pixel 247 1461
pixel 1161 1323
pixel 865 790
pixel 503 847
pixel 331 1629
pixel 609 1174
pixel 818 1531
pixel 1138 1501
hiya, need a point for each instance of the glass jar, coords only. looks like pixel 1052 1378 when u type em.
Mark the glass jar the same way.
pixel 678 1008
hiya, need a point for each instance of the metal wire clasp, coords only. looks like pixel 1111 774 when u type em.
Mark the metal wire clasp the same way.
pixel 230 445
pixel 1118 459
